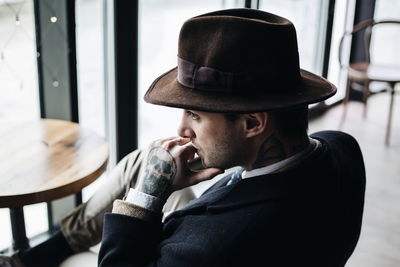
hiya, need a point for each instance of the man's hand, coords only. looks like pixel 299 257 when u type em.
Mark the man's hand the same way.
pixel 167 168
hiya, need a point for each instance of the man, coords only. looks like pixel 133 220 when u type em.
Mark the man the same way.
pixel 295 200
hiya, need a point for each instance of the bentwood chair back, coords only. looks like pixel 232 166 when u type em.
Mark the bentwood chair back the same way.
pixel 377 65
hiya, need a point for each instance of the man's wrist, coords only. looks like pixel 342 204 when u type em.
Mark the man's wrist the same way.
pixel 144 200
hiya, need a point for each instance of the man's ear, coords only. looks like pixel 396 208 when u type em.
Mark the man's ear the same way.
pixel 255 123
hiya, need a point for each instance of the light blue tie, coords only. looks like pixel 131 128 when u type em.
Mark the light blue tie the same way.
pixel 236 176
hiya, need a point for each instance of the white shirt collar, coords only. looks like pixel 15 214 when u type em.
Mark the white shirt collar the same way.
pixel 313 145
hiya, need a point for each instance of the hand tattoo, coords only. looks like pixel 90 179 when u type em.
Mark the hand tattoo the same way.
pixel 160 172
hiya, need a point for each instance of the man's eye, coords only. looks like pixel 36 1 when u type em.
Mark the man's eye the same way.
pixel 193 116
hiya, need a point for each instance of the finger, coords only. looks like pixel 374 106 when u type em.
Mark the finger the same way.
pixel 169 139
pixel 169 144
pixel 159 142
pixel 184 141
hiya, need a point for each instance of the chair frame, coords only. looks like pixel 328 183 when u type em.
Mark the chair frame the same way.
pixel 356 72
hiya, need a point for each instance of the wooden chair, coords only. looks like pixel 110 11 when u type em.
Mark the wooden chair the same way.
pixel 361 74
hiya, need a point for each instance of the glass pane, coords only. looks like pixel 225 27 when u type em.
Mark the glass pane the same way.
pixel 343 21
pixel 309 18
pixel 90 55
pixel 5 229
pixel 18 69
pixel 35 222
pixel 19 90
pixel 386 38
pixel 36 219
pixel 159 26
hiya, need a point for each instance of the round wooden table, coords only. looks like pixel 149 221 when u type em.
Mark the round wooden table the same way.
pixel 44 160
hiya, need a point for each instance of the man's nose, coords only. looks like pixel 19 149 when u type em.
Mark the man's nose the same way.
pixel 185 130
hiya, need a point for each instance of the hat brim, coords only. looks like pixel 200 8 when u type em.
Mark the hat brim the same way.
pixel 167 91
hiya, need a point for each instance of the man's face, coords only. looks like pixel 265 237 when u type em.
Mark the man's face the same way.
pixel 218 140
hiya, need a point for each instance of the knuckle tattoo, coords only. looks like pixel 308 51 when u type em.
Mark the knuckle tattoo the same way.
pixel 160 171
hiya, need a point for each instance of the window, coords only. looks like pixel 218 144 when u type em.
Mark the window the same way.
pixel 343 21
pixel 89 46
pixel 309 18
pixel 90 65
pixel 5 229
pixel 18 71
pixel 19 93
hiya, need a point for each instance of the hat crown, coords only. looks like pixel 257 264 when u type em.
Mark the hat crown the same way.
pixel 253 43
pixel 238 61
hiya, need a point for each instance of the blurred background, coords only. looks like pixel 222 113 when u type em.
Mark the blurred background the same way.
pixel 91 61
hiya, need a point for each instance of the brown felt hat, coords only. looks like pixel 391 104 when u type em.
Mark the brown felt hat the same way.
pixel 238 61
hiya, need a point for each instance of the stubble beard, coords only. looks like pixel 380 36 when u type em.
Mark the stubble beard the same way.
pixel 222 155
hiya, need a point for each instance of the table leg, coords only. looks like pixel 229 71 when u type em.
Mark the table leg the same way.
pixel 78 198
pixel 20 241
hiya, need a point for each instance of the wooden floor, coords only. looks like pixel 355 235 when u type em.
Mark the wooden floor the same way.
pixel 379 244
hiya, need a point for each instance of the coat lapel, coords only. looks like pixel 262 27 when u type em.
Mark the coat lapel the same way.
pixel 215 192
pixel 247 191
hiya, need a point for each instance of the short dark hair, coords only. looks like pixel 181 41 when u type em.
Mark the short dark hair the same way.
pixel 231 116
pixel 292 121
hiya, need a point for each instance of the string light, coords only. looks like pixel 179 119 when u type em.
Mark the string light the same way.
pixel 56 83
pixel 16 10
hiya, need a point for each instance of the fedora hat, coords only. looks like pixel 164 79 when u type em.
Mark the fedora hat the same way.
pixel 238 61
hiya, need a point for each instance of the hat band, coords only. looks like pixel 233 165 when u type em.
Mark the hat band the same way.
pixel 209 79
pixel 203 78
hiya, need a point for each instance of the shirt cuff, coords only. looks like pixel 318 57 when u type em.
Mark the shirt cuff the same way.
pixel 144 200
